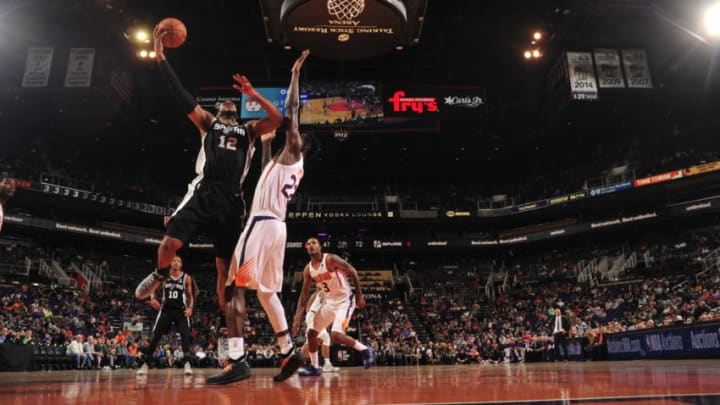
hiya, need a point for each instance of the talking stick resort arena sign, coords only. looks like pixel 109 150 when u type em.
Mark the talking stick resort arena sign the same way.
pixel 344 29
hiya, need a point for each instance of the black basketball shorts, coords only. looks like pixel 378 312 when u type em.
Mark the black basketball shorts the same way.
pixel 213 209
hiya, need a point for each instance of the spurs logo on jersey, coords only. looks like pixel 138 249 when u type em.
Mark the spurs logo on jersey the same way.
pixel 332 284
pixel 224 155
pixel 174 293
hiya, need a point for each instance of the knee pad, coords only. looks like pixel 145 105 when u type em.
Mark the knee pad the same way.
pixel 325 337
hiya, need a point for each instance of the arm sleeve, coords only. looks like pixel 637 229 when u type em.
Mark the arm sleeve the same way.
pixel 186 101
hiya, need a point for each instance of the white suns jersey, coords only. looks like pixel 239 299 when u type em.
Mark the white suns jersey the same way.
pixel 276 186
pixel 332 284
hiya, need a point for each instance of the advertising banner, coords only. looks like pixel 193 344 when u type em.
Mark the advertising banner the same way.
pixel 529 206
pixel 598 191
pixel 568 198
pixel 701 169
pixel 658 178
pixel 251 109
pixel 697 206
pixel 341 215
pixel 701 340
pixel 446 102
pixel 210 98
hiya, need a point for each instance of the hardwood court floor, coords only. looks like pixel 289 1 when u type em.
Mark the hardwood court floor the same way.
pixel 637 382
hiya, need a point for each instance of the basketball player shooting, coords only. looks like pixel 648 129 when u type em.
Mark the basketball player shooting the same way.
pixel 259 254
pixel 330 274
pixel 214 198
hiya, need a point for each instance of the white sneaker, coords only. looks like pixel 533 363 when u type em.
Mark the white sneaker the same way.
pixel 143 370
pixel 329 368
pixel 188 369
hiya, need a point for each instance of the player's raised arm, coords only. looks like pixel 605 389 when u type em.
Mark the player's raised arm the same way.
pixel 266 140
pixel 186 101
pixel 265 125
pixel 293 141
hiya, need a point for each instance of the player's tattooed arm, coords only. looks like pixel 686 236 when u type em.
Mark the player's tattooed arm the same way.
pixel 148 286
pixel 349 271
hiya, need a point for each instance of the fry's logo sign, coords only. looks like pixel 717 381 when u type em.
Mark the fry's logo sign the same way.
pixel 400 103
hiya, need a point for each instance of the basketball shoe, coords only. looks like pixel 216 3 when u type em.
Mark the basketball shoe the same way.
pixel 236 370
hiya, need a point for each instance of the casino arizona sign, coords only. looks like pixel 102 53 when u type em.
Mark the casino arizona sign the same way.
pixel 400 103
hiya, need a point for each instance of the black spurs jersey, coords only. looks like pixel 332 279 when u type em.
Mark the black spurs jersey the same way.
pixel 174 293
pixel 225 154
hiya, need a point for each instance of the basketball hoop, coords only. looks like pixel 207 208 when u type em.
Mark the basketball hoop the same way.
pixel 341 135
pixel 345 9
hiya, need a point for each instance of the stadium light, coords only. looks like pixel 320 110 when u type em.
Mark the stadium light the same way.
pixel 712 21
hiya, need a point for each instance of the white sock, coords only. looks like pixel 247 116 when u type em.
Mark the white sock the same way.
pixel 237 347
pixel 285 343
pixel 359 346
pixel 314 359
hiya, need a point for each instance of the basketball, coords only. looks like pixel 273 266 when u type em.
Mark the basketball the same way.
pixel 176 32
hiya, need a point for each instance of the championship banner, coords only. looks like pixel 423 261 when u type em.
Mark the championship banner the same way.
pixel 79 67
pixel 37 67
pixel 610 75
pixel 700 169
pixel 658 178
pixel 583 85
pixel 637 71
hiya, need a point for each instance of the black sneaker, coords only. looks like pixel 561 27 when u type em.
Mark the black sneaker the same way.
pixel 237 370
pixel 290 364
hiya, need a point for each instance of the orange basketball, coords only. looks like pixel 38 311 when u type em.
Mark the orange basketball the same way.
pixel 176 32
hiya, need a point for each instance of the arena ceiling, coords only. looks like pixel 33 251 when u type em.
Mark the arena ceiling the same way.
pixel 462 43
